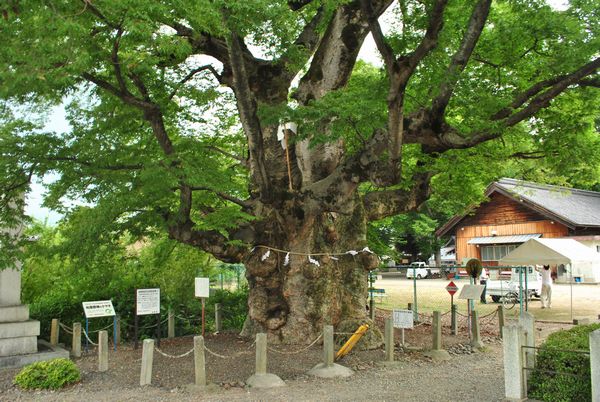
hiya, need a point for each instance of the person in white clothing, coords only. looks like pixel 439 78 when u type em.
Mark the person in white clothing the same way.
pixel 546 286
pixel 483 278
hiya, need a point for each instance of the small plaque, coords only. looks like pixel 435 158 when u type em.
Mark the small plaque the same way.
pixel 101 308
pixel 403 318
pixel 471 292
pixel 148 301
pixel 202 288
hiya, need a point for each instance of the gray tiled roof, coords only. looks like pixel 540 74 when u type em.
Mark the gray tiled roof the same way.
pixel 579 207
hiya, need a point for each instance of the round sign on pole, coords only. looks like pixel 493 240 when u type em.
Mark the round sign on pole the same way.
pixel 452 288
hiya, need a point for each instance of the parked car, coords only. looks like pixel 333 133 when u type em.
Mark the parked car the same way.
pixel 419 270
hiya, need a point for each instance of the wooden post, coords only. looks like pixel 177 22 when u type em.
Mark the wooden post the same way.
pixel 218 317
pixel 102 351
pixel 389 340
pixel 147 357
pixel 76 341
pixel 54 332
pixel 501 319
pixel 170 324
pixel 199 361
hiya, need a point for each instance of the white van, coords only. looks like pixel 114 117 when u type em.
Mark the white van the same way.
pixel 419 270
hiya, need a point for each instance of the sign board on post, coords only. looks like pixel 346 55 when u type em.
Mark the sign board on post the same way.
pixel 202 288
pixel 403 318
pixel 101 308
pixel 471 292
pixel 147 301
pixel 452 288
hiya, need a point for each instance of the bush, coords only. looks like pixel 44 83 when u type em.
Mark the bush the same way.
pixel 572 382
pixel 50 374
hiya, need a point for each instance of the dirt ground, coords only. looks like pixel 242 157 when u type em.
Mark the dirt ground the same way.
pixel 468 376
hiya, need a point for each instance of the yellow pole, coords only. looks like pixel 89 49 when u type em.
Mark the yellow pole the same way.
pixel 344 350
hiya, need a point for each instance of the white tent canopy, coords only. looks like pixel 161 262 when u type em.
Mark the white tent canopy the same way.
pixel 550 252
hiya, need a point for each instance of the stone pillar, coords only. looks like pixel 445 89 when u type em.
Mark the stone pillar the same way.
pixel 262 379
pixel 389 340
pixel 453 320
pixel 54 332
pixel 527 322
pixel 501 319
pixel 218 317
pixel 515 384
pixel 328 348
pixel 436 352
pixel 102 351
pixel 329 369
pixel 171 324
pixel 199 361
pixel 475 333
pixel 595 364
pixel 76 341
pixel 147 358
pixel 261 353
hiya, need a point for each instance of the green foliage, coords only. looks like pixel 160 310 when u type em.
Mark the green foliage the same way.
pixel 61 271
pixel 473 267
pixel 50 374
pixel 563 375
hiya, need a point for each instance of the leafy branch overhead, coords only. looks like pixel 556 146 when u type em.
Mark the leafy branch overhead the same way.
pixel 176 109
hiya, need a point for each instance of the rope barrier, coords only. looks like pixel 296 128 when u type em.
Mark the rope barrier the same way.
pixel 88 338
pixel 101 329
pixel 173 356
pixel 298 351
pixel 65 328
pixel 232 356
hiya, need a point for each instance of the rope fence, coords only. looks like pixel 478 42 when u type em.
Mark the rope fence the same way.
pixel 297 351
pixel 174 356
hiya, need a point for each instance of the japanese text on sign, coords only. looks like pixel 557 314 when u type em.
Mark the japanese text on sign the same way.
pixel 148 301
pixel 101 308
pixel 403 318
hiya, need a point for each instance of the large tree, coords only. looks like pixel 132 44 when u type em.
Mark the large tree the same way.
pixel 248 130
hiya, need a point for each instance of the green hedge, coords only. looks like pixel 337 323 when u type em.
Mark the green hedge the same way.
pixel 50 374
pixel 572 382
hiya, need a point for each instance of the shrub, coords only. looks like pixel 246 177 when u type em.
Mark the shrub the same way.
pixel 572 380
pixel 50 374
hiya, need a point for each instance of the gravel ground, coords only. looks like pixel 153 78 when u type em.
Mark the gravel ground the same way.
pixel 468 376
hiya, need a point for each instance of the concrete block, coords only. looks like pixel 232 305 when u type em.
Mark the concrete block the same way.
pixel 18 329
pixel 265 381
pixel 147 359
pixel 102 351
pixel 581 321
pixel 334 370
pixel 14 313
pixel 199 361
pixel 515 382
pixel 10 287
pixel 18 346
pixel 43 351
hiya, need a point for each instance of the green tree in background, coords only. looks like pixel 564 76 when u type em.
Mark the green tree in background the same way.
pixel 233 126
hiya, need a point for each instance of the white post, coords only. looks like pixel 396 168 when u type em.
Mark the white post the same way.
pixel 102 351
pixel 515 387
pixel 595 364
pixel 527 321
pixel 199 361
pixel 147 357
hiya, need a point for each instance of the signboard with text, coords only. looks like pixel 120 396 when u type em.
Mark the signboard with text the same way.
pixel 147 301
pixel 202 288
pixel 403 318
pixel 100 308
pixel 471 292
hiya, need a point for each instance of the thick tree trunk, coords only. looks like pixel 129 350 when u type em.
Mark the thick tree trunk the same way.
pixel 292 302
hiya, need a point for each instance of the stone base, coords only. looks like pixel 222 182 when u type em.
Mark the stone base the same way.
pixel 333 371
pixel 438 354
pixel 45 352
pixel 18 338
pixel 14 313
pixel 478 345
pixel 265 381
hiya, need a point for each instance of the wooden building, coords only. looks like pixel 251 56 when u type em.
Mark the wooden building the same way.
pixel 517 211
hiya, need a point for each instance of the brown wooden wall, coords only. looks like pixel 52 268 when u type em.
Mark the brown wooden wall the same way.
pixel 501 210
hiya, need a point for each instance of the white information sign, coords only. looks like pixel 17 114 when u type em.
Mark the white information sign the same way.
pixel 202 287
pixel 148 301
pixel 471 292
pixel 101 308
pixel 403 318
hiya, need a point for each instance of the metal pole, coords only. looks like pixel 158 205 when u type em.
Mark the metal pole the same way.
pixel 203 322
pixel 571 281
pixel 115 333
pixel 87 333
pixel 415 306
pixel 526 289
pixel 520 290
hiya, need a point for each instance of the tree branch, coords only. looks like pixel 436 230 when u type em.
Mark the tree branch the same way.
pixel 461 58
pixel 225 196
pixel 381 204
pixel 191 74
pixel 386 51
pixel 248 116
pixel 72 159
